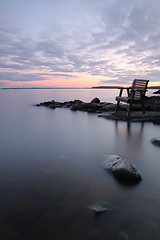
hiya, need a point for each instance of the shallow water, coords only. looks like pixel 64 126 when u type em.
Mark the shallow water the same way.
pixel 50 170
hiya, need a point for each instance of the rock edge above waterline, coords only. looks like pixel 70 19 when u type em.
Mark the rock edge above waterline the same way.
pixel 122 169
pixel 155 141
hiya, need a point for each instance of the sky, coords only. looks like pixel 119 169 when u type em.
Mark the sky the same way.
pixel 79 43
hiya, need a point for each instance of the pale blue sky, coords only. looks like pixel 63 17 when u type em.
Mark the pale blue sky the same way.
pixel 79 43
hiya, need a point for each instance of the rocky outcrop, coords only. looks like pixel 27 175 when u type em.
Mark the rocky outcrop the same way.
pixel 152 103
pixel 135 116
pixel 152 107
pixel 152 112
pixel 94 106
pixel 122 169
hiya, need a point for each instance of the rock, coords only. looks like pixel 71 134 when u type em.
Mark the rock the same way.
pixel 152 103
pixel 77 106
pixel 68 104
pixel 122 236
pixel 108 107
pixel 95 100
pixel 156 121
pixel 155 141
pixel 122 169
pixel 100 207
pixel 97 209
pixel 152 106
pixel 52 106
pixel 137 116
pixel 157 92
pixel 47 104
pixel 88 107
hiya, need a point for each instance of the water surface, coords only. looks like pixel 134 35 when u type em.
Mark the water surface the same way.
pixel 50 170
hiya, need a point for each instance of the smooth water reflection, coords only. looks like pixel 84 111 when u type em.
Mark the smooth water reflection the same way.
pixel 50 172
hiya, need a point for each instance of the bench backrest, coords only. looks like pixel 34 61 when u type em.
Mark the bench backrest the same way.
pixel 139 84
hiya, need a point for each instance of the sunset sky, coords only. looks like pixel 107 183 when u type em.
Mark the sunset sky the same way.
pixel 79 43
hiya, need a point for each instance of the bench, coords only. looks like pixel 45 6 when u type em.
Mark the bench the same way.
pixel 135 94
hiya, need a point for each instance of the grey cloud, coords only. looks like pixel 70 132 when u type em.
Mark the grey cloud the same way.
pixel 18 77
pixel 57 75
pixel 82 44
pixel 118 82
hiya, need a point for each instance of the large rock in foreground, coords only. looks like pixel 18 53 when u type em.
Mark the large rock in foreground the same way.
pixel 122 169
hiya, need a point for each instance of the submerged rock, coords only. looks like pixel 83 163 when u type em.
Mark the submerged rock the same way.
pixel 100 207
pixel 122 169
pixel 122 236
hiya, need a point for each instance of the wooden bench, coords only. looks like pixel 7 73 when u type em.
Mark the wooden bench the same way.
pixel 135 94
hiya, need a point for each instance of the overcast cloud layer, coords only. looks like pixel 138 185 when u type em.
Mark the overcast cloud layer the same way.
pixel 78 43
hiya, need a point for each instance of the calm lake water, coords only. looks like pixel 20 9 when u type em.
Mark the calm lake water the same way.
pixel 50 171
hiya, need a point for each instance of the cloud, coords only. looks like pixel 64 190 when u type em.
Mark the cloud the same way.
pixel 18 77
pixel 116 39
pixel 118 82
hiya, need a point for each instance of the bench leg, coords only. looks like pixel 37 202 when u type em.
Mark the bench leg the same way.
pixel 142 102
pixel 143 109
pixel 129 110
pixel 117 106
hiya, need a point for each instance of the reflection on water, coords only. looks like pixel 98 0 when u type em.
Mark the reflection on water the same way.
pixel 50 172
pixel 131 134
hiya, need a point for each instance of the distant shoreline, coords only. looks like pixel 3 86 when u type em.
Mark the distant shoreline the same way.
pixel 98 87
pixel 115 87
pixel 35 88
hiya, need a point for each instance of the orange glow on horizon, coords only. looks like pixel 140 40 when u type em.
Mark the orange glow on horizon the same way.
pixel 59 79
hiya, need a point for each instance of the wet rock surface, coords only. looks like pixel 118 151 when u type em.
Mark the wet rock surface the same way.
pixel 122 169
pixel 136 116
pixel 94 106
pixel 155 141
pixel 100 207
pixel 152 103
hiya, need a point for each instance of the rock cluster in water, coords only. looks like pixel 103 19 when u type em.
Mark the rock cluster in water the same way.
pixel 152 107
pixel 94 106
